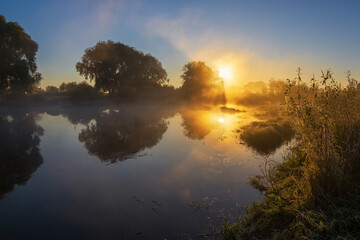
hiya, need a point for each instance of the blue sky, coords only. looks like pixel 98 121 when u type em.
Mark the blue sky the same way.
pixel 257 40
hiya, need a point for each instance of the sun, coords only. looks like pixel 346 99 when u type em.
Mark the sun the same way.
pixel 221 120
pixel 225 73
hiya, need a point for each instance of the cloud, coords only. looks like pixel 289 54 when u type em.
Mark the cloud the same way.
pixel 222 47
pixel 88 23
pixel 100 16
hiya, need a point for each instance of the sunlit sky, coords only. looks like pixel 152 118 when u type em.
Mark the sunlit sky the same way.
pixel 256 40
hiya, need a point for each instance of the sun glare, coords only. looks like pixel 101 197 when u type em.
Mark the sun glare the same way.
pixel 225 73
pixel 221 120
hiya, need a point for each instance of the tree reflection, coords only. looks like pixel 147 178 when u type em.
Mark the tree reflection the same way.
pixel 81 115
pixel 19 150
pixel 119 135
pixel 265 137
pixel 197 124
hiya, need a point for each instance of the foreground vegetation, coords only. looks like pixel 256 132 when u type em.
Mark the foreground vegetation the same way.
pixel 314 193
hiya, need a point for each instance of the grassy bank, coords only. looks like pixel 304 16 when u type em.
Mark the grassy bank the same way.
pixel 314 193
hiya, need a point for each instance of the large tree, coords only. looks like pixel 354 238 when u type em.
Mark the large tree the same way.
pixel 202 84
pixel 119 69
pixel 17 59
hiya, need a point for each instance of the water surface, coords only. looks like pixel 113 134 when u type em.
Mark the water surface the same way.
pixel 127 171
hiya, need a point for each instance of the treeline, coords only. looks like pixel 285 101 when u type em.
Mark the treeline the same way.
pixel 122 72
pixel 115 69
pixel 258 93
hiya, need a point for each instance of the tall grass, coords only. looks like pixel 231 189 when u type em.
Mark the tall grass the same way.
pixel 314 193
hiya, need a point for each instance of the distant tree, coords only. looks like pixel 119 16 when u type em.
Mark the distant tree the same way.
pixel 79 91
pixel 277 87
pixel 51 89
pixel 67 87
pixel 202 84
pixel 120 69
pixel 256 87
pixel 17 59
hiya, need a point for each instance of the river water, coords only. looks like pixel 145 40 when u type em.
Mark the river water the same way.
pixel 128 171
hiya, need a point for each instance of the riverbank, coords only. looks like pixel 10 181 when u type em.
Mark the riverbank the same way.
pixel 314 193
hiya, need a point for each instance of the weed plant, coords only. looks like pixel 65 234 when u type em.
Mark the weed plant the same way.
pixel 314 193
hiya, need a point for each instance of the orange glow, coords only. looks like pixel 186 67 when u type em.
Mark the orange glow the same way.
pixel 225 73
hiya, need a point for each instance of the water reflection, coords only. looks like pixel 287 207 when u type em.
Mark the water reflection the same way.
pixel 75 196
pixel 80 116
pixel 266 136
pixel 19 150
pixel 197 124
pixel 118 135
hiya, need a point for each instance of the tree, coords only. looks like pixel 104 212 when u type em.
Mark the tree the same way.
pixel 79 91
pixel 258 87
pixel 67 87
pixel 120 69
pixel 17 59
pixel 51 89
pixel 202 84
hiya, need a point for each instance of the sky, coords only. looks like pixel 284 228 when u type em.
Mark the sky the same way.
pixel 255 40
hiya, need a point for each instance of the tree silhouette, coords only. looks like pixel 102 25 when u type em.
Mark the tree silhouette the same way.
pixel 19 152
pixel 117 136
pixel 79 91
pixel 201 84
pixel 17 59
pixel 120 69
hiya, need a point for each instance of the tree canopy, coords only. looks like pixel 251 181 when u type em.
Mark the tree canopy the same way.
pixel 202 84
pixel 119 69
pixel 17 59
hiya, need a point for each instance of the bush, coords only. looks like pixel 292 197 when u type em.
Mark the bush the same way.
pixel 79 91
pixel 315 192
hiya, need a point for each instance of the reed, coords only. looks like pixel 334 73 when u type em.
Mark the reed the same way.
pixel 314 192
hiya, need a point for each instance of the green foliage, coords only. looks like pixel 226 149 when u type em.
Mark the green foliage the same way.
pixel 229 232
pixel 328 120
pixel 201 84
pixel 17 60
pixel 120 69
pixel 315 192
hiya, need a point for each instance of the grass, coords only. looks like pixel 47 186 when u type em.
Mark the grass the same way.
pixel 314 193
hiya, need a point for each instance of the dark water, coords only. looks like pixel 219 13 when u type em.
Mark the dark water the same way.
pixel 127 172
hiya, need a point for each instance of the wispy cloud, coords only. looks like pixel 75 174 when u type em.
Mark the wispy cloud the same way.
pixel 220 47
pixel 89 22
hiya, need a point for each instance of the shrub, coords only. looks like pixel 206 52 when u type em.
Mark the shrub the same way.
pixel 315 192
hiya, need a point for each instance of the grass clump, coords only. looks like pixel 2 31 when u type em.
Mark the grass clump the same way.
pixel 314 193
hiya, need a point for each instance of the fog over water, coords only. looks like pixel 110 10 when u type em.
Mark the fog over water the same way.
pixel 126 171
